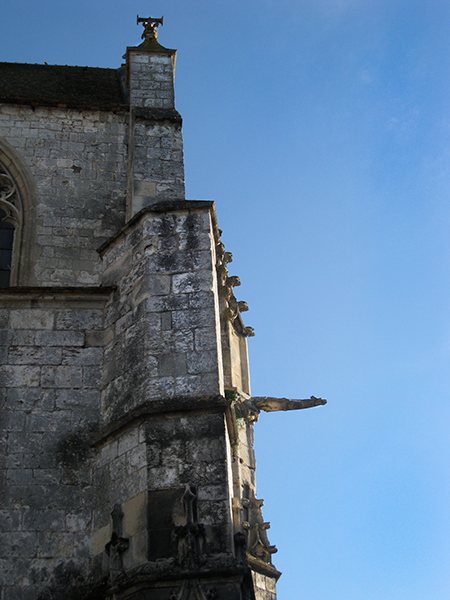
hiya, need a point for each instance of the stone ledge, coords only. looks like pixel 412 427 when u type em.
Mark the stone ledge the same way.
pixel 36 296
pixel 161 207
pixel 18 290
pixel 262 567
pixel 158 114
pixel 112 108
pixel 167 570
pixel 162 406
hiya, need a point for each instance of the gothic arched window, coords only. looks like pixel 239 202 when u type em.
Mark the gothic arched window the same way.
pixel 10 218
pixel 6 249
pixel 17 208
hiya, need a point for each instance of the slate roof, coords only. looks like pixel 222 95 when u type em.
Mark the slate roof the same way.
pixel 54 85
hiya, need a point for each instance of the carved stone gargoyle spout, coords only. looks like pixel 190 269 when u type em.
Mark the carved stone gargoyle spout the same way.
pixel 269 404
pixel 251 408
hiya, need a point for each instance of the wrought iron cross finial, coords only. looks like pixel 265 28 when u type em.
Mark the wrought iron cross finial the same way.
pixel 150 26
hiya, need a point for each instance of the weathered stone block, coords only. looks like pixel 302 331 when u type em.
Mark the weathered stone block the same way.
pixel 31 355
pixel 172 365
pixel 31 319
pixel 60 338
pixel 62 377
pixel 82 356
pixel 18 376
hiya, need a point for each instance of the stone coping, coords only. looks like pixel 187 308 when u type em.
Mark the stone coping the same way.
pixel 161 207
pixel 158 114
pixel 160 406
pixel 262 567
pixel 36 297
pixel 224 565
pixel 46 291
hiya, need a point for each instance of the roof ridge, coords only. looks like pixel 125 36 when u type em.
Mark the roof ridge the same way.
pixel 60 66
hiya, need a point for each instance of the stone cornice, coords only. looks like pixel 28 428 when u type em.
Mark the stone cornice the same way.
pixel 163 206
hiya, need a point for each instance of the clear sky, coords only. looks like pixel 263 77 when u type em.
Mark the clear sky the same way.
pixel 321 128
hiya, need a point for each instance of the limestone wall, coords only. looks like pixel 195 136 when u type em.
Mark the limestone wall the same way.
pixel 151 78
pixel 164 319
pixel 158 164
pixel 77 161
pixel 50 372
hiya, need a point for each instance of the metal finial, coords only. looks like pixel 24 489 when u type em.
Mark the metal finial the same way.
pixel 150 27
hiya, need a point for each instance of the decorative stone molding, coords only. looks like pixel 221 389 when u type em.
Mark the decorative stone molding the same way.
pixel 240 544
pixel 117 545
pixel 258 544
pixel 191 536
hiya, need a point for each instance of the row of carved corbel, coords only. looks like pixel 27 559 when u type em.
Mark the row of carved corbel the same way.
pixel 231 307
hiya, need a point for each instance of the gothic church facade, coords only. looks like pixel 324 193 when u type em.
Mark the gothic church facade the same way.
pixel 127 468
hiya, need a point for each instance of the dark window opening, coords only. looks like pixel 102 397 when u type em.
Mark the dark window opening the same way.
pixel 6 247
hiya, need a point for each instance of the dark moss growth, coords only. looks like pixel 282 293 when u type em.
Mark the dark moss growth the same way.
pixel 68 581
pixel 73 451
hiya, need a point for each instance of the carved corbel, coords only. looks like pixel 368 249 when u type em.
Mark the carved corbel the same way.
pixel 220 250
pixel 222 275
pixel 232 310
pixel 242 306
pixel 230 313
pixel 233 281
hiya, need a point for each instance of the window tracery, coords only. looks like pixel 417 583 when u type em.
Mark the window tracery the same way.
pixel 6 249
pixel 10 220
pixel 9 200
pixel 18 235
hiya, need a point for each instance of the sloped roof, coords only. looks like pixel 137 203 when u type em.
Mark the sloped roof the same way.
pixel 54 85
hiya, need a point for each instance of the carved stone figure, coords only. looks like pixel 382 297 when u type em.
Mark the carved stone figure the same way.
pixel 117 545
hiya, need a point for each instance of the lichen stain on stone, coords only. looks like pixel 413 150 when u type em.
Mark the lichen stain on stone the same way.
pixel 165 225
pixel 73 451
pixel 167 263
pixel 192 241
pixel 69 581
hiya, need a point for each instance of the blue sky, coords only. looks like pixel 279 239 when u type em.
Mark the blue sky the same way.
pixel 322 131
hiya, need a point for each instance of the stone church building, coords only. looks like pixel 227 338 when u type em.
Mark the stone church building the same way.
pixel 127 469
